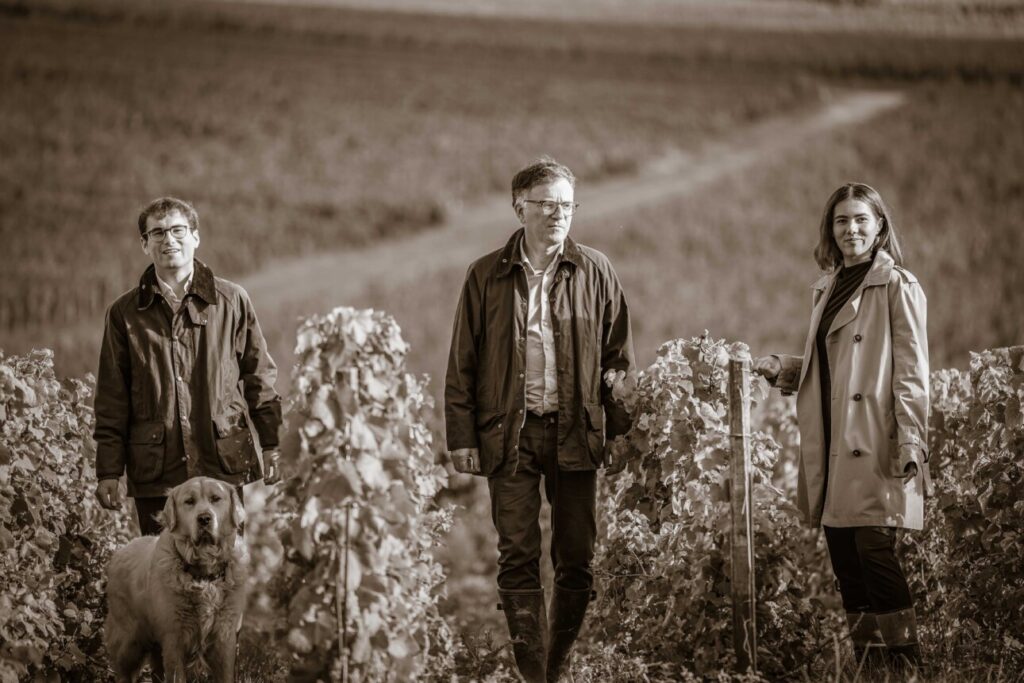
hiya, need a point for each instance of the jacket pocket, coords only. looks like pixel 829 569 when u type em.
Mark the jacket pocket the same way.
pixel 145 451
pixel 490 429
pixel 235 448
pixel 595 431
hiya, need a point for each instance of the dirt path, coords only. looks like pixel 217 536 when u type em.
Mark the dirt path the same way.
pixel 295 287
pixel 387 272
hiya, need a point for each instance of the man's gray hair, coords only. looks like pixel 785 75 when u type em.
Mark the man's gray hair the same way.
pixel 158 208
pixel 543 170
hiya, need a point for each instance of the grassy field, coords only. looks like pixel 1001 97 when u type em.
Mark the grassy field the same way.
pixel 299 131
pixel 288 146
pixel 736 259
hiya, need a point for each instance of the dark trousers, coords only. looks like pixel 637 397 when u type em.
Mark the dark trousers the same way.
pixel 146 509
pixel 869 573
pixel 515 511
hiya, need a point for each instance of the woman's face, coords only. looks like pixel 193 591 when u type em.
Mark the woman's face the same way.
pixel 855 227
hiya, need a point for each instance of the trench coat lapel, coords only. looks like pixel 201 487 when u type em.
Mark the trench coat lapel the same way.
pixel 878 274
pixel 848 312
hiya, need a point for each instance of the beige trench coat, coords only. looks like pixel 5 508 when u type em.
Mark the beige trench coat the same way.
pixel 878 364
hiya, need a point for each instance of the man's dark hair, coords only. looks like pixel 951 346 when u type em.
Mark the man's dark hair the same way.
pixel 543 170
pixel 158 208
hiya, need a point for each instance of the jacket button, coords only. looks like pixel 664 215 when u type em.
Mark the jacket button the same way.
pixel 857 397
pixel 499 425
pixel 857 337
pixel 856 452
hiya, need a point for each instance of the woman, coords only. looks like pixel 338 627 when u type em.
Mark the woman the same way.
pixel 862 406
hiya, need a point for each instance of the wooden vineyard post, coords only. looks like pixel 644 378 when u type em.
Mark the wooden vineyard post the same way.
pixel 744 624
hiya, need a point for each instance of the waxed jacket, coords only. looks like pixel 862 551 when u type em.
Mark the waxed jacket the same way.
pixel 485 386
pixel 878 364
pixel 179 395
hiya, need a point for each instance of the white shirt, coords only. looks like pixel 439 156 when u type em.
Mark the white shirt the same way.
pixel 168 292
pixel 541 373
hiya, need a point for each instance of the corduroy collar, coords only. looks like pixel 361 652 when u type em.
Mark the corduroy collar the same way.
pixel 512 254
pixel 202 285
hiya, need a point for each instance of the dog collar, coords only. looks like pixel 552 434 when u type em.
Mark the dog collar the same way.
pixel 196 572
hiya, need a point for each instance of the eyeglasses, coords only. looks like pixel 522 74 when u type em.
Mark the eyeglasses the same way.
pixel 160 234
pixel 548 207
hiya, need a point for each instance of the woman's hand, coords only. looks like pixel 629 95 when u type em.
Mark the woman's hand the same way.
pixel 768 367
pixel 909 454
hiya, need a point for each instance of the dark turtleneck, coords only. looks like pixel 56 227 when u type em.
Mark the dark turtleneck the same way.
pixel 847 282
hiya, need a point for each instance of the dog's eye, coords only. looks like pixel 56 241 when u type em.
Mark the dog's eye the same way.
pixel 215 499
pixel 190 501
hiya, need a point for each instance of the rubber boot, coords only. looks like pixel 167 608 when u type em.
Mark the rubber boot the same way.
pixel 899 631
pixel 527 627
pixel 568 607
pixel 868 647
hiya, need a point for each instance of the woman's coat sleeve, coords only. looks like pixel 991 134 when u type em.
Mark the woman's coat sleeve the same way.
pixel 908 316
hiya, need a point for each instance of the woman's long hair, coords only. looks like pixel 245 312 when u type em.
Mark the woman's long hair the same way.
pixel 828 254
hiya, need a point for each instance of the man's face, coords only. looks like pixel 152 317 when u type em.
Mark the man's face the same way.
pixel 549 230
pixel 167 251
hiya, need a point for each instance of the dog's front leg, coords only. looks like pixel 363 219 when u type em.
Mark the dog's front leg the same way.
pixel 222 652
pixel 174 662
pixel 156 663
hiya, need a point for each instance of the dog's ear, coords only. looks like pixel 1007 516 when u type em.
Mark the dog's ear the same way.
pixel 169 518
pixel 237 510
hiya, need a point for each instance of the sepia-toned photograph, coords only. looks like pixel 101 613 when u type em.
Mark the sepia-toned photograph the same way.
pixel 485 341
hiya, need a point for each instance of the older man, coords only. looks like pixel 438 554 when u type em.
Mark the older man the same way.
pixel 184 375
pixel 538 324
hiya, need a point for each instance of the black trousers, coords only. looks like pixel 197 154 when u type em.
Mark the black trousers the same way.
pixel 515 511
pixel 146 509
pixel 869 573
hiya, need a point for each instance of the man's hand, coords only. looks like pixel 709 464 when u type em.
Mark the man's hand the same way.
pixel 615 462
pixel 108 494
pixel 466 460
pixel 768 367
pixel 271 466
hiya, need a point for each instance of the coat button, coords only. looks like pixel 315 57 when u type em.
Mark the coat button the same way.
pixel 499 425
pixel 857 337
pixel 857 397
pixel 856 452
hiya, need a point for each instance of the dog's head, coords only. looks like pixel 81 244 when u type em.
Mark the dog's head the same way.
pixel 204 516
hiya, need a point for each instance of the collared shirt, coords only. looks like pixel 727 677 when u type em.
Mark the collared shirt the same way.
pixel 541 372
pixel 168 292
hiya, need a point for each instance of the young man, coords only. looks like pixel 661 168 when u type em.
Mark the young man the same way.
pixel 184 375
pixel 538 324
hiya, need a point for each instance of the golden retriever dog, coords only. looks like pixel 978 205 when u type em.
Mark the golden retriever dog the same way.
pixel 177 598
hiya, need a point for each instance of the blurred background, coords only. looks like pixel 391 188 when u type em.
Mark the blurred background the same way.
pixel 359 153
